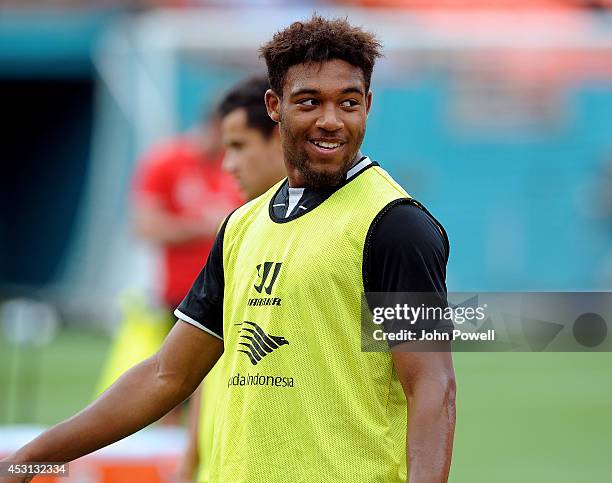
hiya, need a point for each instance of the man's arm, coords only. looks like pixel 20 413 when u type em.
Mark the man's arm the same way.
pixel 428 380
pixel 138 398
pixel 408 253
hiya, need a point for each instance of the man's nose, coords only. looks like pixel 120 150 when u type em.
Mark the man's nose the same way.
pixel 329 119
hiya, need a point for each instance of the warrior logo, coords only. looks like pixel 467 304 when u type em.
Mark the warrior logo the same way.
pixel 257 343
pixel 262 274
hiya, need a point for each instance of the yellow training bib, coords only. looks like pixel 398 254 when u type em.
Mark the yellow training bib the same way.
pixel 298 401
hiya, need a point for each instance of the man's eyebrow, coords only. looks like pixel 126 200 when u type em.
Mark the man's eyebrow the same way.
pixel 305 90
pixel 310 90
pixel 349 90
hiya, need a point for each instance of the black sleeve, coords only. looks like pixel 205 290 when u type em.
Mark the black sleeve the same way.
pixel 406 251
pixel 203 305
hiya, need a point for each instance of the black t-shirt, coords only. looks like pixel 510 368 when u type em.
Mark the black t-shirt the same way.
pixel 406 251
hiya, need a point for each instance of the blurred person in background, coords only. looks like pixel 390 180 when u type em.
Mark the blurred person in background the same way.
pixel 180 196
pixel 253 155
pixel 316 406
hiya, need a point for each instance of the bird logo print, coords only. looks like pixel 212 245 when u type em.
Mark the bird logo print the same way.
pixel 256 343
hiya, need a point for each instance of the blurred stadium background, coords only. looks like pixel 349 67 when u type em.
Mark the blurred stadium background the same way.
pixel 497 115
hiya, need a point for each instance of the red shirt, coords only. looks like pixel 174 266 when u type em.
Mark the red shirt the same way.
pixel 176 176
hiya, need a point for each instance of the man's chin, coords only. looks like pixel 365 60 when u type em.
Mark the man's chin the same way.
pixel 323 178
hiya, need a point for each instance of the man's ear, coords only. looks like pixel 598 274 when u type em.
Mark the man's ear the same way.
pixel 272 105
pixel 368 102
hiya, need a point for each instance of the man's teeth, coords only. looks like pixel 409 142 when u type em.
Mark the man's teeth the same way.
pixel 326 145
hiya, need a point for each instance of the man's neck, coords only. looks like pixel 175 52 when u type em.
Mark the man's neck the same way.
pixel 289 201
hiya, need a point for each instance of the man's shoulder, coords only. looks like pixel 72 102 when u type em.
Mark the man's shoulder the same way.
pixel 377 184
pixel 410 213
pixel 407 223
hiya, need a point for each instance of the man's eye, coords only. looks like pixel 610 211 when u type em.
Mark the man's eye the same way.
pixel 308 102
pixel 349 103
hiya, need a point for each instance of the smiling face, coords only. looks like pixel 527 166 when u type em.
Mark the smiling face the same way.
pixel 322 116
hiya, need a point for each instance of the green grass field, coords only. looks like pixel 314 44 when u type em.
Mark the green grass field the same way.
pixel 525 417
pixel 522 417
pixel 53 383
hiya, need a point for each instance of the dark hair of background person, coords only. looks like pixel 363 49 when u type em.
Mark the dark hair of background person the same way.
pixel 249 95
pixel 319 40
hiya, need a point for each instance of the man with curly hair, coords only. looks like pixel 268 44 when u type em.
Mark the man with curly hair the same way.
pixel 280 297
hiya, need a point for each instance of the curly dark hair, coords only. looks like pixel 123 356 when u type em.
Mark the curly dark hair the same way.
pixel 319 40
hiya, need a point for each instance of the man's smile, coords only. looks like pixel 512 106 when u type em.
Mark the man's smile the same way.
pixel 326 147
